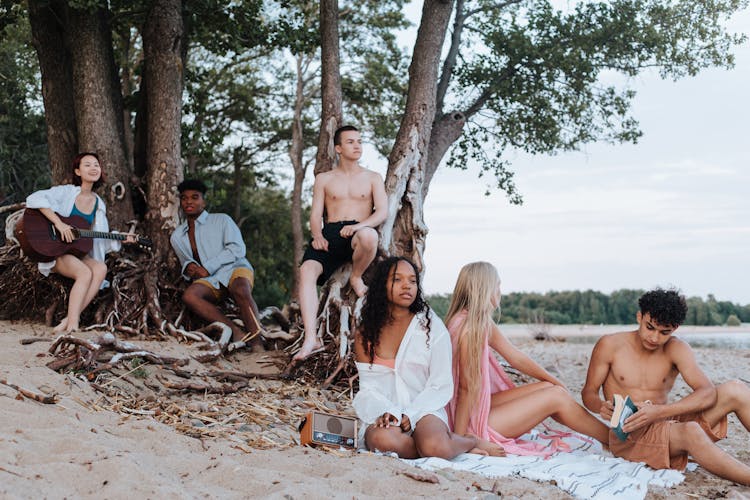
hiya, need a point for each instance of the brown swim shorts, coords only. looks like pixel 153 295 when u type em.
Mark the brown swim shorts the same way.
pixel 651 444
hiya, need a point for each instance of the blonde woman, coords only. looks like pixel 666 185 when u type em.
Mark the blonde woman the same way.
pixel 485 401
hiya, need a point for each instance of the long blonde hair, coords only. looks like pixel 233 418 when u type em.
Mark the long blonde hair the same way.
pixel 476 284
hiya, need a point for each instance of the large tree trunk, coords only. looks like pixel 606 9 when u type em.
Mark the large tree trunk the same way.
pixel 404 231
pixel 98 107
pixel 330 84
pixel 163 40
pixel 48 35
pixel 300 167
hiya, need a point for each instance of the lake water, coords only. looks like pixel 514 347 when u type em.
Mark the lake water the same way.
pixel 721 340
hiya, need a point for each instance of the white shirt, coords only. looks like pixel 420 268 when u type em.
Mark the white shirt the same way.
pixel 61 199
pixel 421 382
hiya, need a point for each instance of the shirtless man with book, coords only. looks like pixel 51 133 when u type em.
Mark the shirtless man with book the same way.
pixel 644 364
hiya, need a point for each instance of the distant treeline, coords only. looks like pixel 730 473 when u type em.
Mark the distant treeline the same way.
pixel 591 307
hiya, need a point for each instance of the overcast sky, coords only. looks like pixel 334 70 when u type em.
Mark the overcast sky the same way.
pixel 672 210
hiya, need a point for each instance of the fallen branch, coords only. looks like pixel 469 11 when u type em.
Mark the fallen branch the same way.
pixel 219 375
pixel 48 400
pixel 425 477
pixel 83 353
pixel 204 387
pixel 32 340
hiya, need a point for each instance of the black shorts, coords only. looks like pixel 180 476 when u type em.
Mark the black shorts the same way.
pixel 339 249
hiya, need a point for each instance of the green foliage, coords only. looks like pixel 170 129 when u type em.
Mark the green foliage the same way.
pixel 374 69
pixel 440 303
pixel 138 371
pixel 533 78
pixel 733 320
pixel 592 307
pixel 23 151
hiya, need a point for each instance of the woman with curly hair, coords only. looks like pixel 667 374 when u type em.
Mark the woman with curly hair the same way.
pixel 485 401
pixel 402 353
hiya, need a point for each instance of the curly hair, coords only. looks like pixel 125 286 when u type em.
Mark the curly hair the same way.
pixel 666 307
pixel 376 310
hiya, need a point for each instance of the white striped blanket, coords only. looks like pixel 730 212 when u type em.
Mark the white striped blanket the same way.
pixel 585 472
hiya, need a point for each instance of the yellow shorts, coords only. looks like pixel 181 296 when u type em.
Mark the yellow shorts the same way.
pixel 221 292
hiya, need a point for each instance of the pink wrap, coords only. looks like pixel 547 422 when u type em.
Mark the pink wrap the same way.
pixel 494 379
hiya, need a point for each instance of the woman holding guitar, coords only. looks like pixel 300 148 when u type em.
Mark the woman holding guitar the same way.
pixel 78 199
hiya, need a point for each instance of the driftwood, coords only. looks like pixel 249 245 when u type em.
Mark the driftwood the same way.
pixel 32 340
pixel 205 387
pixel 83 354
pixel 31 395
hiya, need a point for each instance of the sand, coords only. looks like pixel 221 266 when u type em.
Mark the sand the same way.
pixel 78 449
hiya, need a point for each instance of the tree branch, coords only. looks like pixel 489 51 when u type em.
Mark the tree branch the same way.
pixel 450 60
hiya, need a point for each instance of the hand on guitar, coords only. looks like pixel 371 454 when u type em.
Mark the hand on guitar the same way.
pixel 65 231
pixel 195 271
pixel 131 239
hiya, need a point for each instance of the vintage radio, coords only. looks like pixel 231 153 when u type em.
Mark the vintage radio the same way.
pixel 318 428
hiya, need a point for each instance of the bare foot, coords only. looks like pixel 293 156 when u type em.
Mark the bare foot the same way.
pixel 61 326
pixel 66 326
pixel 358 285
pixel 307 349
pixel 487 448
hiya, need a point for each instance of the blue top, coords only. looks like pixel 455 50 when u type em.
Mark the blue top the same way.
pixel 219 243
pixel 88 217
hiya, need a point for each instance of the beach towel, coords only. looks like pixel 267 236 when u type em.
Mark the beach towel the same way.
pixel 586 471
pixel 493 379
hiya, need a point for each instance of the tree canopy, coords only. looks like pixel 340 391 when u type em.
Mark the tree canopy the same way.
pixel 503 76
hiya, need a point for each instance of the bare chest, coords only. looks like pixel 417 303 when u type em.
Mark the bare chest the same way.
pixel 631 373
pixel 354 188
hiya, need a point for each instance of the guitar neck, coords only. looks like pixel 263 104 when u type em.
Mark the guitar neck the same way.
pixel 100 234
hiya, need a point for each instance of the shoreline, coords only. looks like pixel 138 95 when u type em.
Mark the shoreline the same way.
pixel 521 330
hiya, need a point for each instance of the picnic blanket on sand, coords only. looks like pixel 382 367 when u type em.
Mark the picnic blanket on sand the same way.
pixel 587 471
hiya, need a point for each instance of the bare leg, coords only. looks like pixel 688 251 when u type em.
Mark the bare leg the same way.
pixel 242 292
pixel 310 270
pixel 521 414
pixel 201 300
pixel 72 267
pixel 365 245
pixel 98 273
pixel 732 397
pixel 433 439
pixel 390 439
pixel 500 398
pixel 689 437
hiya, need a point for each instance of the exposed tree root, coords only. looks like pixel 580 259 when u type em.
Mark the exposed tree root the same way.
pixel 144 302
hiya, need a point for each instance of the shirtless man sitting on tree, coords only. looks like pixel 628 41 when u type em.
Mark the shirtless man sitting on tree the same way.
pixel 354 202
pixel 644 365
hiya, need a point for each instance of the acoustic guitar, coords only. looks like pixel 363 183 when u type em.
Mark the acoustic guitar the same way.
pixel 41 242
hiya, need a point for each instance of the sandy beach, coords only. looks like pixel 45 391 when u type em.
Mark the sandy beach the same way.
pixel 133 436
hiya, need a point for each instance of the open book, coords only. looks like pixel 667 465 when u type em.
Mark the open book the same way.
pixel 624 407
